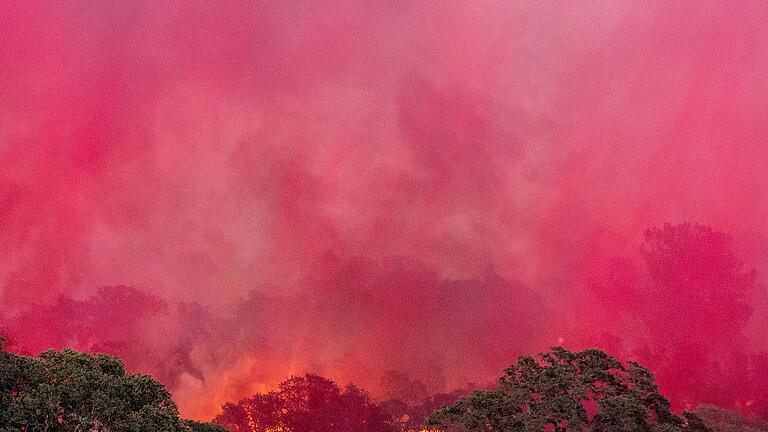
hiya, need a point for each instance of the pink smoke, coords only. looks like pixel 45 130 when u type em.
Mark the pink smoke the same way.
pixel 359 187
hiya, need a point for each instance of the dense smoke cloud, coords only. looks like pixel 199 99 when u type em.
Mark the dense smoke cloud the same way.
pixel 364 187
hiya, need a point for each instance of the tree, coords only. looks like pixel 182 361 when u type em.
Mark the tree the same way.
pixel 74 391
pixel 697 266
pixel 567 391
pixel 413 416
pixel 723 420
pixel 307 404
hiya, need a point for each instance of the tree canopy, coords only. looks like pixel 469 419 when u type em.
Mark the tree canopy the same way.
pixel 307 403
pixel 567 391
pixel 74 391
pixel 558 391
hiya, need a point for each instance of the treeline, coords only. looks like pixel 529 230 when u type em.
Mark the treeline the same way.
pixel 557 391
pixel 71 391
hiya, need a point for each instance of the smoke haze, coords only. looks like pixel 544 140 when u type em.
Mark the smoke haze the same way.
pixel 225 194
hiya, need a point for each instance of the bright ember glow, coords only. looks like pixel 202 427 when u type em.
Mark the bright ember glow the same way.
pixel 224 194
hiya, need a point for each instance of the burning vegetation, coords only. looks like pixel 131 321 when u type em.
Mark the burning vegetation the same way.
pixel 558 391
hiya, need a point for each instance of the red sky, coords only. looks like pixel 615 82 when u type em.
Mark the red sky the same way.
pixel 357 187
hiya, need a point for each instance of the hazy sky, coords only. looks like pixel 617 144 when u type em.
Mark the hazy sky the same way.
pixel 356 187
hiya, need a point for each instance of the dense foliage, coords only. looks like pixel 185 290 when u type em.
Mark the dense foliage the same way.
pixel 568 391
pixel 560 391
pixel 309 403
pixel 73 391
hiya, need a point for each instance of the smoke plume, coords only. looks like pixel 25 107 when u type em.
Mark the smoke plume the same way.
pixel 225 194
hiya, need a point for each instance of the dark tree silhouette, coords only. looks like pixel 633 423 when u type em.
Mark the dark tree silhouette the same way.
pixel 309 403
pixel 689 299
pixel 696 263
pixel 413 417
